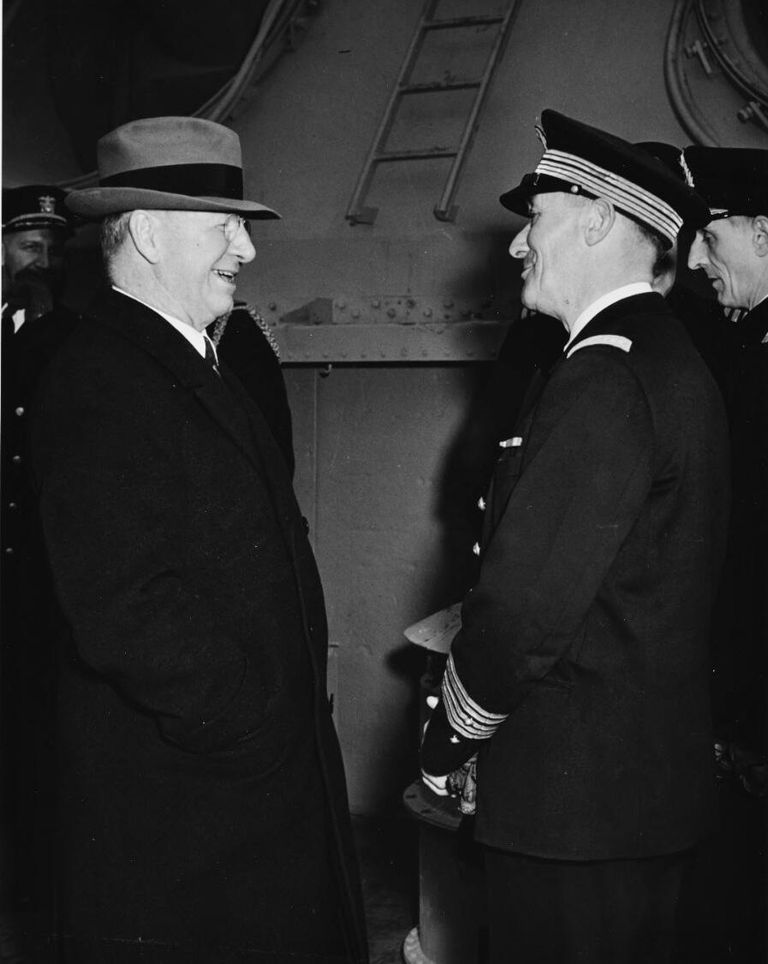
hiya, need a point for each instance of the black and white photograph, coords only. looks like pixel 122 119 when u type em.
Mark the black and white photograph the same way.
pixel 384 482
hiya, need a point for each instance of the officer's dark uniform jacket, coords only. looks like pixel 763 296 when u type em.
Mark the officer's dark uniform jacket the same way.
pixel 30 619
pixel 581 670
pixel 741 626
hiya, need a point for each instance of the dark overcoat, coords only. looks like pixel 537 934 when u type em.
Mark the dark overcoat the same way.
pixel 203 810
pixel 245 348
pixel 584 647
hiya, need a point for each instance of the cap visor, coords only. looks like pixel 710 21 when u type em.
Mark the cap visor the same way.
pixel 518 199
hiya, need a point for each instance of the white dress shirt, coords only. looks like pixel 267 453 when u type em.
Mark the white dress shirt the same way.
pixel 197 339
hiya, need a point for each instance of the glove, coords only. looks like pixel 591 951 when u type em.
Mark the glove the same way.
pixel 438 785
pixel 442 748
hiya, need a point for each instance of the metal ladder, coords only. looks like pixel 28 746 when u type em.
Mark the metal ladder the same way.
pixel 444 210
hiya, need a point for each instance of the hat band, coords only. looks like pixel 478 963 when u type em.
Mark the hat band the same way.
pixel 194 180
pixel 629 197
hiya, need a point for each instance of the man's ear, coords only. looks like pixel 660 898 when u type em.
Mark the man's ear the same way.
pixel 760 235
pixel 599 217
pixel 144 227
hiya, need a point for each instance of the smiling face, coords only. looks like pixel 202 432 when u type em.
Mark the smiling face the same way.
pixel 548 247
pixel 198 267
pixel 724 251
pixel 34 255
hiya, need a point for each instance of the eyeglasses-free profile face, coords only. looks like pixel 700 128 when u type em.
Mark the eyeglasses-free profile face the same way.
pixel 548 246
pixel 728 251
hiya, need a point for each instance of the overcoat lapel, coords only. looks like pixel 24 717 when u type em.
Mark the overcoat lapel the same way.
pixel 223 397
pixel 263 444
pixel 144 327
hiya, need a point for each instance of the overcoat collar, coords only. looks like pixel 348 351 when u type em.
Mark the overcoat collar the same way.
pixel 224 398
pixel 142 326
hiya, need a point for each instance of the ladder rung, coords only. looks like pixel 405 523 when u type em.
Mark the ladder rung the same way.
pixel 438 85
pixel 445 210
pixel 421 155
pixel 478 21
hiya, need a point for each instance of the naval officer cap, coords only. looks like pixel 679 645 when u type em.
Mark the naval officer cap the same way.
pixel 35 206
pixel 732 180
pixel 583 160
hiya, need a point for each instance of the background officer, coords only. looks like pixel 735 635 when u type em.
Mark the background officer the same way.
pixel 36 226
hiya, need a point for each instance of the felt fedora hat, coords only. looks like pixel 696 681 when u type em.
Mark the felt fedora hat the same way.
pixel 168 163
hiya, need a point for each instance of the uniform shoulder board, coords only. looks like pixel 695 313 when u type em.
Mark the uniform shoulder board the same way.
pixel 613 341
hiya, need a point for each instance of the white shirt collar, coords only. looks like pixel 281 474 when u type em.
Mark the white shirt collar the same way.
pixel 618 294
pixel 18 317
pixel 197 339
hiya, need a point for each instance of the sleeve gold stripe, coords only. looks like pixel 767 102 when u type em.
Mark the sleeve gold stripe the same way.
pixel 465 715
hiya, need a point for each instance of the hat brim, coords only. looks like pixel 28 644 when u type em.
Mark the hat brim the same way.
pixel 94 203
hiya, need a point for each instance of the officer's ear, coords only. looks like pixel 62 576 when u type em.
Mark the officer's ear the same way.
pixel 599 217
pixel 760 235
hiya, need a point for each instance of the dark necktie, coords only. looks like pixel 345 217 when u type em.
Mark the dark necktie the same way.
pixel 210 355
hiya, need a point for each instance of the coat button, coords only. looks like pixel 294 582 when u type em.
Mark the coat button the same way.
pixel 9 551
pixel 476 548
pixel 19 410
pixel 13 505
pixel 16 459
pixel 481 504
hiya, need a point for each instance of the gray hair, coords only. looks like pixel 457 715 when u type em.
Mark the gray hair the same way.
pixel 114 231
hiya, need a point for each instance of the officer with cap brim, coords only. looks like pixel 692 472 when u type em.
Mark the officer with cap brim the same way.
pixel 36 226
pixel 580 673
pixel 732 250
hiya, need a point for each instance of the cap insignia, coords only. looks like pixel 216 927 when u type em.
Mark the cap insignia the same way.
pixel 47 204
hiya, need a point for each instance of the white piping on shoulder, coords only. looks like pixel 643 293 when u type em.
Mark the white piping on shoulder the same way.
pixel 613 341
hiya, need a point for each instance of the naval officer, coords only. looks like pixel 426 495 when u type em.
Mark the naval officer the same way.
pixel 580 674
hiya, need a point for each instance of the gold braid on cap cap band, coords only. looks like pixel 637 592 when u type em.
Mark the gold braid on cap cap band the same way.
pixel 629 197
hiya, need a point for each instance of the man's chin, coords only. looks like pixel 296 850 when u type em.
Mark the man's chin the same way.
pixel 222 307
pixel 528 299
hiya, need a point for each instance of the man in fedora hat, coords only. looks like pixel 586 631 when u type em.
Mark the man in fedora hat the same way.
pixel 203 811
pixel 580 673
